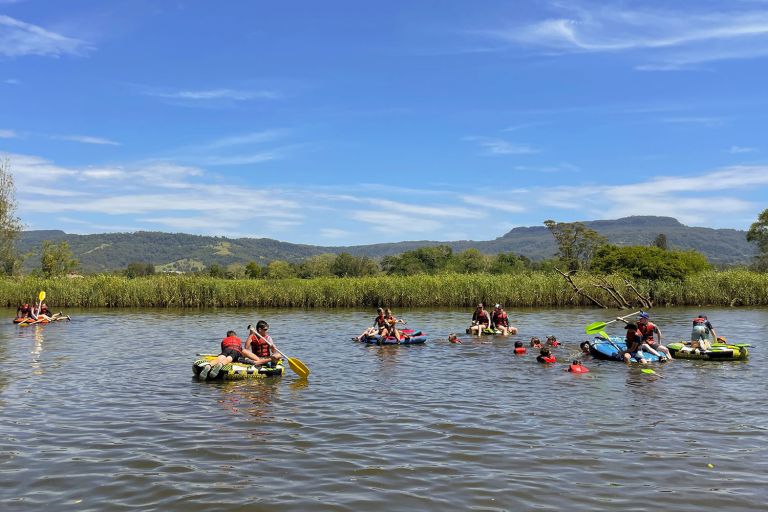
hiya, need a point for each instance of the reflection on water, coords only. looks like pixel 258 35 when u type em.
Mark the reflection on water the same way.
pixel 104 409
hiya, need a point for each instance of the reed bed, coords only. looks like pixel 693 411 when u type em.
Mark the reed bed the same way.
pixel 544 289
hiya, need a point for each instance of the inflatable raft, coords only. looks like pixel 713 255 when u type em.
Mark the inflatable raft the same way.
pixel 391 340
pixel 493 332
pixel 718 352
pixel 239 371
pixel 613 349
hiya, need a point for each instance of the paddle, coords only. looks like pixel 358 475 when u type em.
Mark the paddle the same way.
pixel 41 296
pixel 296 365
pixel 596 327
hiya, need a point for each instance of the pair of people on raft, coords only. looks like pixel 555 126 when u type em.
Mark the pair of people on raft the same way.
pixel 642 335
pixel 385 325
pixel 497 320
pixel 38 312
pixel 259 350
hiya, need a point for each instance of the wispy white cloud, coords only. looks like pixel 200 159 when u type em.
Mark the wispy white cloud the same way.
pixel 86 139
pixel 493 146
pixel 245 139
pixel 334 233
pixel 12 81
pixel 667 39
pixel 20 39
pixel 8 134
pixel 708 122
pixel 215 95
pixel 737 150
pixel 511 205
pixel 671 196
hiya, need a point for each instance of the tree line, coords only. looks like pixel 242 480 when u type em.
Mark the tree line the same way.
pixel 579 248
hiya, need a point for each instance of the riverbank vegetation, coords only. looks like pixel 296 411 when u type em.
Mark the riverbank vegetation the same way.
pixel 514 290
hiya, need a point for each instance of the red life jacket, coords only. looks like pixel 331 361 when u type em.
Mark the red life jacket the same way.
pixel 25 309
pixel 481 317
pixel 547 359
pixel 577 368
pixel 500 318
pixel 233 343
pixel 647 331
pixel 632 344
pixel 520 350
pixel 380 322
pixel 260 347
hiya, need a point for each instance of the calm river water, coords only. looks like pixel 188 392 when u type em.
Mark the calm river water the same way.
pixel 103 413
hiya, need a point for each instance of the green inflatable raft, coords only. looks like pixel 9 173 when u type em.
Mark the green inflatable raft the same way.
pixel 239 371
pixel 718 352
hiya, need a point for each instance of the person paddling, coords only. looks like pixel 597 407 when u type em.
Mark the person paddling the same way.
pixel 481 320
pixel 231 351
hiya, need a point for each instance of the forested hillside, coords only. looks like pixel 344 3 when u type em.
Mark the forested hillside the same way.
pixel 178 251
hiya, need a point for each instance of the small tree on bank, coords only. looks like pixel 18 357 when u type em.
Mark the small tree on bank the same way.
pixel 10 225
pixel 56 259
pixel 758 234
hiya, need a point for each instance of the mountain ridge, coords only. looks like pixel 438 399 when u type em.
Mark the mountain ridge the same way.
pixel 181 251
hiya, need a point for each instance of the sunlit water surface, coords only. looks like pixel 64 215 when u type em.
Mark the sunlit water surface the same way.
pixel 103 413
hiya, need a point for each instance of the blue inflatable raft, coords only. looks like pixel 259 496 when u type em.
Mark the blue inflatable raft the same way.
pixel 613 349
pixel 391 340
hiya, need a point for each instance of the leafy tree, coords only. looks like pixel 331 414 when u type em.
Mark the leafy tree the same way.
pixel 216 270
pixel 425 260
pixel 56 259
pixel 139 269
pixel 317 266
pixel 253 270
pixel 279 269
pixel 758 234
pixel 661 241
pixel 470 261
pixel 576 243
pixel 347 265
pixel 235 271
pixel 648 262
pixel 10 225
pixel 509 263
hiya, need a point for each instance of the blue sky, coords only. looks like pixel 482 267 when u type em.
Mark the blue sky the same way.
pixel 348 122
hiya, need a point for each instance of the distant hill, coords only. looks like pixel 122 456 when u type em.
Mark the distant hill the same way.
pixel 178 251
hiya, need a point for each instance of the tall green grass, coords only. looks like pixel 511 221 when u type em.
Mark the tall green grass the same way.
pixel 716 288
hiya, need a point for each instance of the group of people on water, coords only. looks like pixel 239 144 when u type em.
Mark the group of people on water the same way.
pixel 498 320
pixel 259 350
pixel 645 336
pixel 384 325
pixel 39 312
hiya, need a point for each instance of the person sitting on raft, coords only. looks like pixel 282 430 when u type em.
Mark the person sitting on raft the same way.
pixel 535 342
pixel 519 348
pixel 700 333
pixel 379 324
pixel 500 321
pixel 545 356
pixel 24 311
pixel 390 328
pixel 650 344
pixel 634 342
pixel 56 316
pixel 260 343
pixel 231 351
pixel 481 320
pixel 37 315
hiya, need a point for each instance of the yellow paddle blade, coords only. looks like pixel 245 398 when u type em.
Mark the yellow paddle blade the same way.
pixel 298 367
pixel 594 328
pixel 41 296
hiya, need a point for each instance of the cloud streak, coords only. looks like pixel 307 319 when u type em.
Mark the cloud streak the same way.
pixel 87 139
pixel 22 39
pixel 669 39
